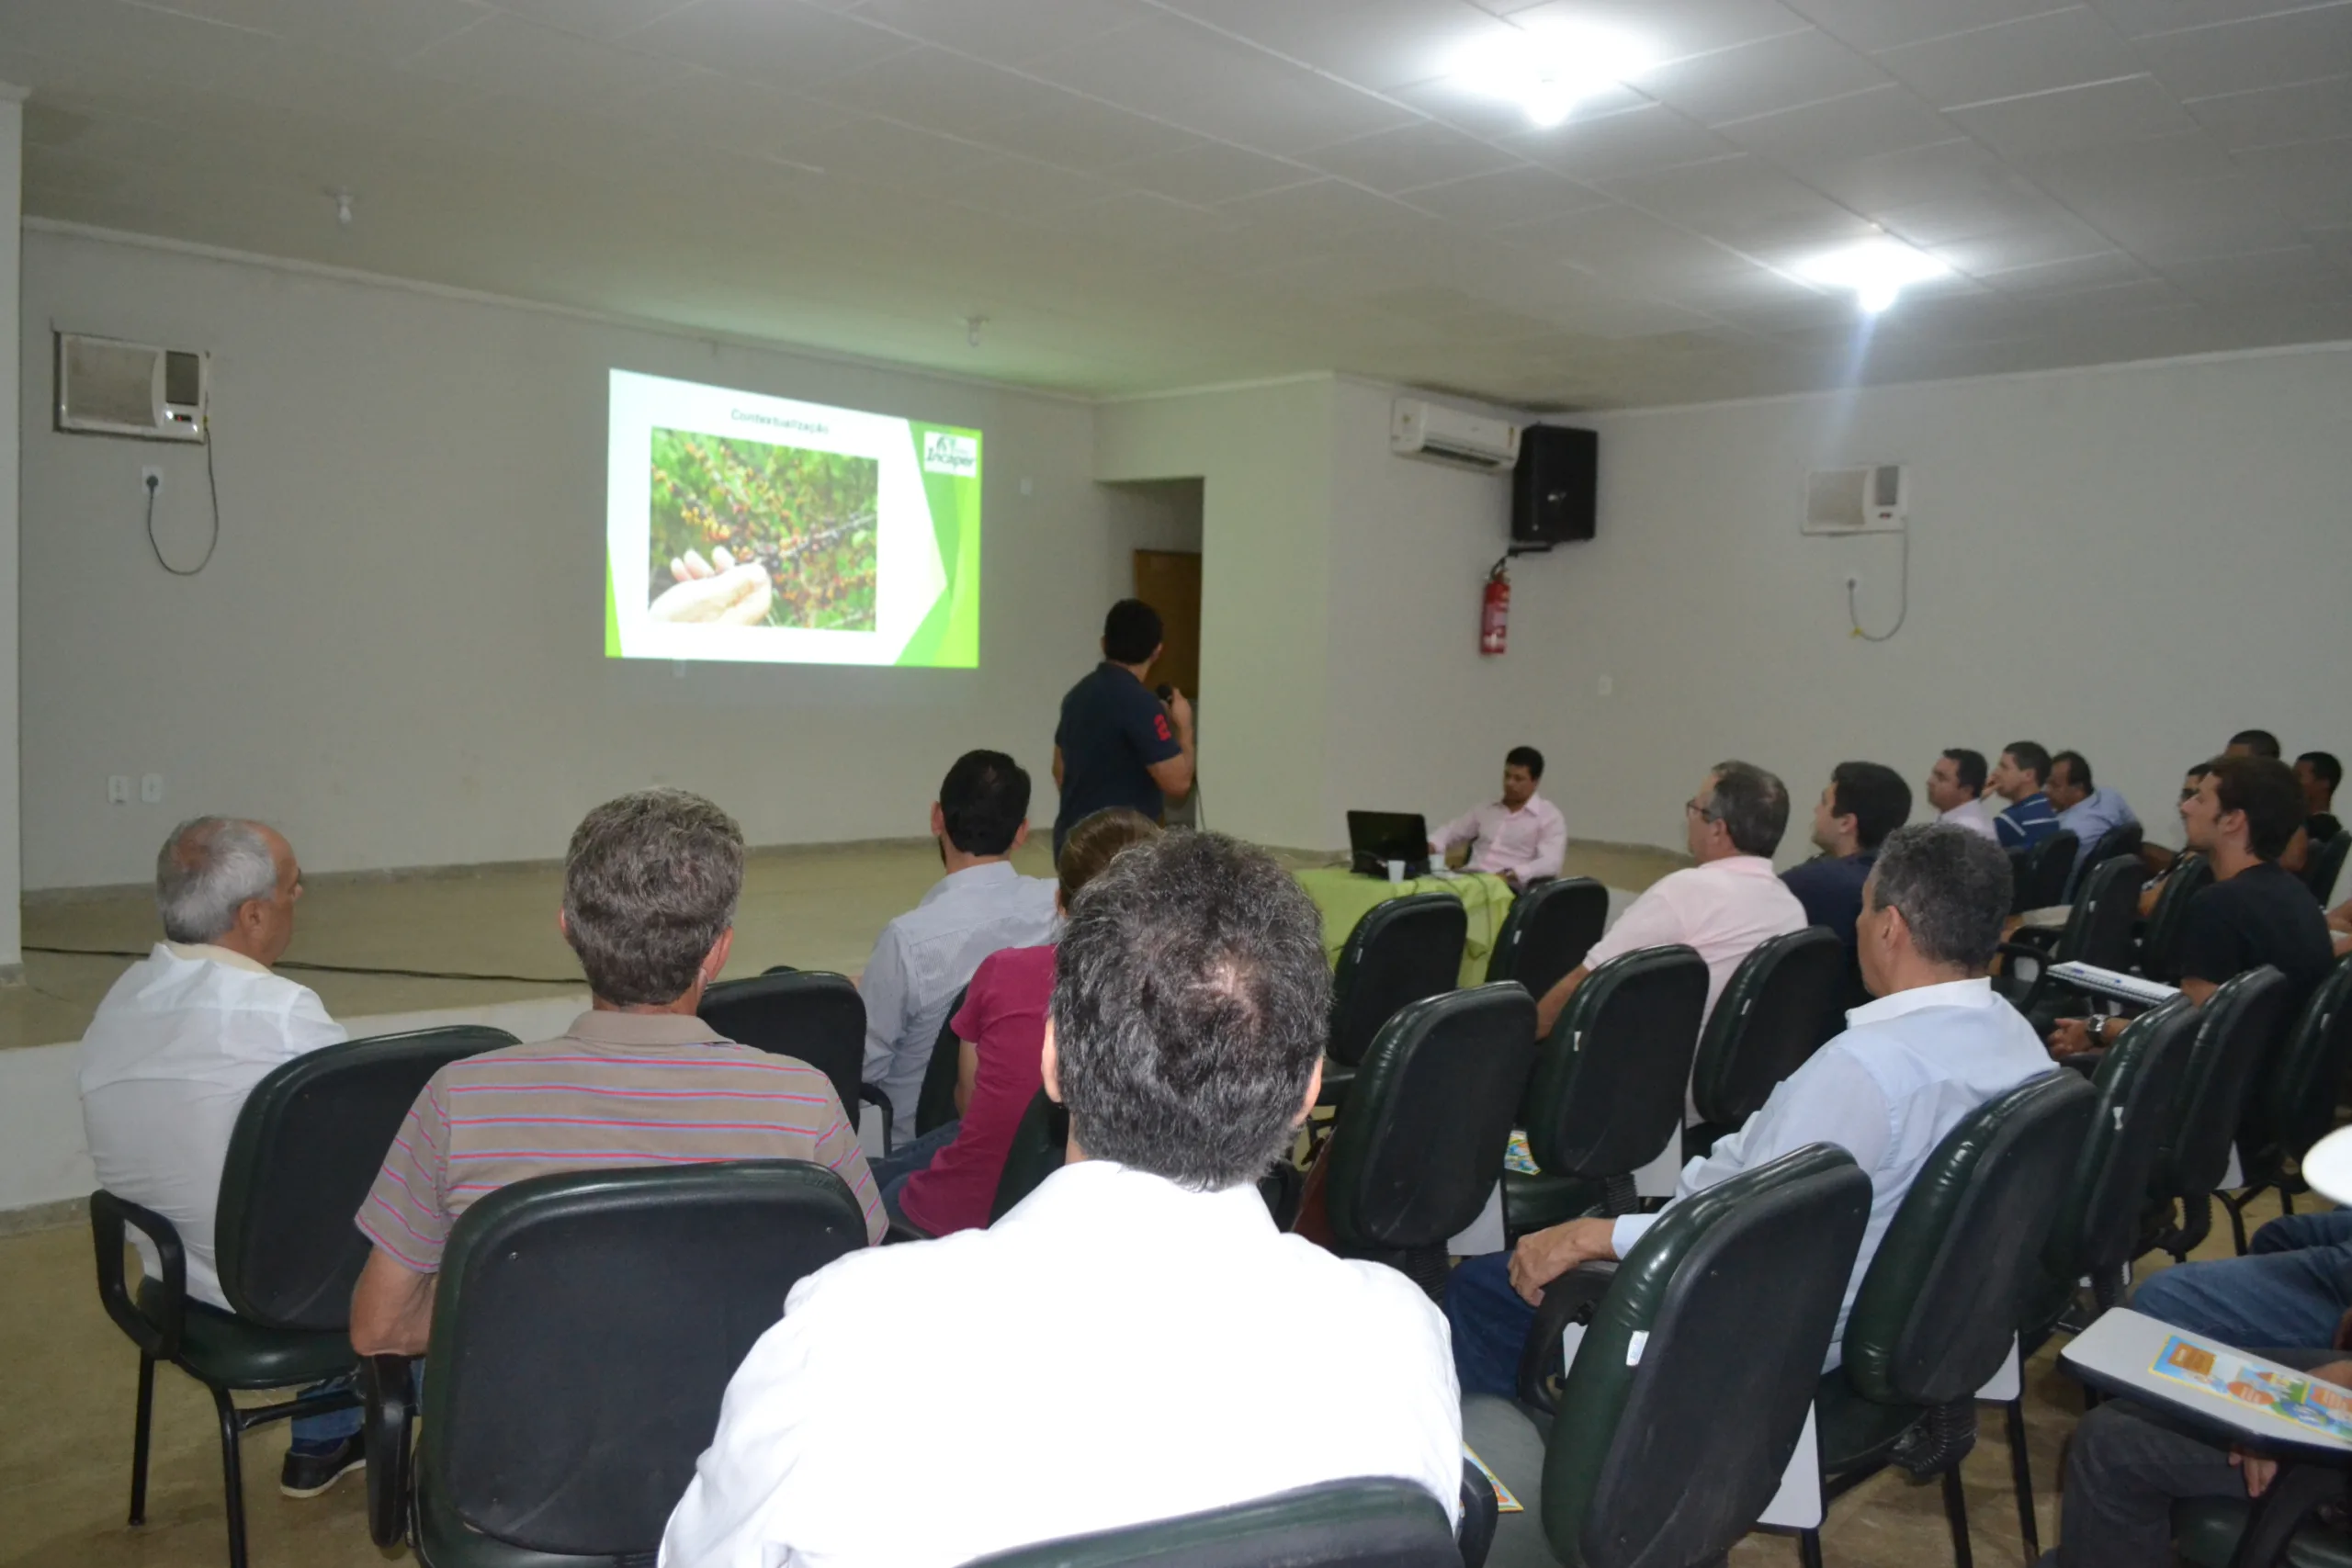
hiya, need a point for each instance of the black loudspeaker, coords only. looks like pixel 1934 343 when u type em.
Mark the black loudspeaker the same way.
pixel 1553 490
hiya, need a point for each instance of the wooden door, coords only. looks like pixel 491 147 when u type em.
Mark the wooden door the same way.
pixel 1170 581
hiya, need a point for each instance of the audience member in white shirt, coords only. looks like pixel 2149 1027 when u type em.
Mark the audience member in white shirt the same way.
pixel 927 954
pixel 1186 1038
pixel 1726 906
pixel 1956 789
pixel 188 1030
pixel 1521 837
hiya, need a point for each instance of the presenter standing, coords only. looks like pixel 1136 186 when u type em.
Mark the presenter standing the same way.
pixel 1520 838
pixel 1117 743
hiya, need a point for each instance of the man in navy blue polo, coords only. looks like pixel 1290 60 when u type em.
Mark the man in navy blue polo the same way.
pixel 1117 743
pixel 2019 778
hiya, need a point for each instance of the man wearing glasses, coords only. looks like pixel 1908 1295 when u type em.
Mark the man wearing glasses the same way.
pixel 1725 906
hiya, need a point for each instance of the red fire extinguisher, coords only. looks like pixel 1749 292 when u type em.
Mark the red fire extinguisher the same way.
pixel 1494 610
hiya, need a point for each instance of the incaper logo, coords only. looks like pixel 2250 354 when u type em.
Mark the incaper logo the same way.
pixel 946 454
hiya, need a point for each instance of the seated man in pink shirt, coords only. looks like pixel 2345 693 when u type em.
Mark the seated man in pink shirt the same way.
pixel 1520 838
pixel 1725 906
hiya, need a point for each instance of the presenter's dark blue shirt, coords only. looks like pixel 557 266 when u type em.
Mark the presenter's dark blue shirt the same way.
pixel 1112 731
pixel 2027 823
pixel 1830 888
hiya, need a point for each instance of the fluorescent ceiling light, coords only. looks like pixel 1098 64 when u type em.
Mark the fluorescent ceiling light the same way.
pixel 1876 271
pixel 1547 71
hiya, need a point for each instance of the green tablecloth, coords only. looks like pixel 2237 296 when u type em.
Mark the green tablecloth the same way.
pixel 1343 898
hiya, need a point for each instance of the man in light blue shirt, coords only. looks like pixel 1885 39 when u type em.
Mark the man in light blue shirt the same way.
pixel 2084 809
pixel 1937 1044
pixel 927 954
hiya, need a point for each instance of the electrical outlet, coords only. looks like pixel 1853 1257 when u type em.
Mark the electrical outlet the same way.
pixel 117 789
pixel 1608 685
pixel 151 788
pixel 151 481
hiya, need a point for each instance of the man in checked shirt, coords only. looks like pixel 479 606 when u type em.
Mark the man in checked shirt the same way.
pixel 649 888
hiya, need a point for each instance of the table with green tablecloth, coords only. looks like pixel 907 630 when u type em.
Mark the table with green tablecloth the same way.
pixel 1343 896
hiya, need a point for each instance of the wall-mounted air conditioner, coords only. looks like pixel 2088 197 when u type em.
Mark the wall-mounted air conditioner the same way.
pixel 105 387
pixel 1875 500
pixel 1438 434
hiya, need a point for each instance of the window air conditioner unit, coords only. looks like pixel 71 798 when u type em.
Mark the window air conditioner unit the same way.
pixel 1875 500
pixel 1438 434
pixel 105 387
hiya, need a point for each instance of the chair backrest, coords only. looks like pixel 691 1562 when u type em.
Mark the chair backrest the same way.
pixel 307 1146
pixel 1549 930
pixel 1040 1145
pixel 585 1327
pixel 2138 1085
pixel 1944 1294
pixel 1782 1005
pixel 1419 1143
pixel 2292 1105
pixel 1611 1076
pixel 1403 950
pixel 2327 863
pixel 807 1014
pixel 2041 872
pixel 2107 908
pixel 1702 1361
pixel 2160 939
pixel 1372 1523
pixel 2236 1030
pixel 935 1104
pixel 2115 843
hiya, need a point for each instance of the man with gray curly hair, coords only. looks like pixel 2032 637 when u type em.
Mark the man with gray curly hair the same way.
pixel 649 888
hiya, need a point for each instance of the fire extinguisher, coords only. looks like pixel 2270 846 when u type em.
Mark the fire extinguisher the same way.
pixel 1494 610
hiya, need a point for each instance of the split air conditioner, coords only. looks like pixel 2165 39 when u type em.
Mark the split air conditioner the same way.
pixel 1875 500
pixel 105 387
pixel 1438 434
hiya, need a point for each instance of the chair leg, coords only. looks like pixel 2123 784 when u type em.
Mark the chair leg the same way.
pixel 2021 1473
pixel 232 1476
pixel 2286 1200
pixel 1956 1514
pixel 2236 1207
pixel 141 1424
pixel 1809 1548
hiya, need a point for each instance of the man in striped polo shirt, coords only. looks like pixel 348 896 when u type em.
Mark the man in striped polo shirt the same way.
pixel 649 889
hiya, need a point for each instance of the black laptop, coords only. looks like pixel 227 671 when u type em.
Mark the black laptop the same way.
pixel 1375 837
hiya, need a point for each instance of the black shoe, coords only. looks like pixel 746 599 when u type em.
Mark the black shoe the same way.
pixel 306 1475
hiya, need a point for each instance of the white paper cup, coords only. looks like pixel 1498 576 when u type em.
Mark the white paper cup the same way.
pixel 1397 871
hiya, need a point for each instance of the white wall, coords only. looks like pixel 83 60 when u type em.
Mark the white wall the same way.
pixel 2132 562
pixel 396 654
pixel 12 144
pixel 1148 515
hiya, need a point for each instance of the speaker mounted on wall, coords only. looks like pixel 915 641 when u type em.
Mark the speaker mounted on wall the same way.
pixel 1555 488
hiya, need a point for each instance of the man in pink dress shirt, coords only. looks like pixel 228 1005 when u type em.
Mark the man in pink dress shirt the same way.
pixel 1521 836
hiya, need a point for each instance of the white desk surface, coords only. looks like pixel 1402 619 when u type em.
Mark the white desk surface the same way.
pixel 2119 1353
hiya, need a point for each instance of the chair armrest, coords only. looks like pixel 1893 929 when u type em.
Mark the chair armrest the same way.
pixel 868 1095
pixel 384 1430
pixel 110 1218
pixel 1569 1298
pixel 1475 1536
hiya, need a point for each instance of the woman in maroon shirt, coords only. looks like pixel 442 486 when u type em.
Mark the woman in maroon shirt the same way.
pixel 1001 1032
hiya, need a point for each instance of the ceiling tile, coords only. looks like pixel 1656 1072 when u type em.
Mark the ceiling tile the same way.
pixel 1324 207
pixel 1489 118
pixel 309 80
pixel 2145 168
pixel 1885 24
pixel 1622 244
pixel 1988 251
pixel 591 18
pixel 1006 34
pixel 1628 144
pixel 1211 172
pixel 136 38
pixel 2292 272
pixel 2311 181
pixel 2203 218
pixel 937 90
pixel 2277 116
pixel 1720 198
pixel 2133 109
pixel 706 110
pixel 1885 119
pixel 884 152
pixel 1379 44
pixel 1758 78
pixel 526 60
pixel 1016 187
pixel 2071 276
pixel 2137 19
pixel 1524 195
pixel 1672 28
pixel 1409 156
pixel 775 42
pixel 1079 133
pixel 2032 54
pixel 1879 180
pixel 2261 51
pixel 375 32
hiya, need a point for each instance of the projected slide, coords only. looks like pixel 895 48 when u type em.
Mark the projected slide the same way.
pixel 756 529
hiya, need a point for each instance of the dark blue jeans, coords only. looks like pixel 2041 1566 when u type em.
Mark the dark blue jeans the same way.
pixel 2290 1289
pixel 1489 1323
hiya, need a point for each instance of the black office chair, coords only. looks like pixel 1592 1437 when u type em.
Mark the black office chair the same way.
pixel 1689 1391
pixel 807 1014
pixel 1939 1305
pixel 1550 928
pixel 1401 950
pixel 2238 1027
pixel 2098 932
pixel 1420 1144
pixel 2327 863
pixel 1371 1523
pixel 2097 1217
pixel 2160 933
pixel 2291 1106
pixel 935 1104
pixel 2115 843
pixel 1780 1006
pixel 305 1150
pixel 1040 1145
pixel 1608 1087
pixel 584 1328
pixel 2041 872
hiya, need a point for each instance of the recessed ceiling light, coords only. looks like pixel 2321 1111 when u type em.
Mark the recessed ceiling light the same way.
pixel 1547 71
pixel 1876 270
